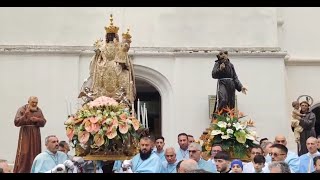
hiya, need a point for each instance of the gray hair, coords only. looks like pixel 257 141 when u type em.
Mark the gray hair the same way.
pixel 170 148
pixel 195 145
pixel 265 144
pixel 284 167
pixel 46 140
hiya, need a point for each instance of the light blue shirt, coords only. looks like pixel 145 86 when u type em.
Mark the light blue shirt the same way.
pixel 207 165
pixel 168 168
pixel 268 158
pixel 46 161
pixel 305 162
pixel 161 155
pixel 117 165
pixel 150 165
pixel 182 155
pixel 293 161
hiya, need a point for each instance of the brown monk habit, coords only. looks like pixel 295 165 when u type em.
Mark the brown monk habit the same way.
pixel 29 143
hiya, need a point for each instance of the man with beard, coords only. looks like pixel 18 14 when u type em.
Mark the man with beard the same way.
pixel 182 152
pixel 51 160
pixel 159 146
pixel 146 161
pixel 228 82
pixel 29 118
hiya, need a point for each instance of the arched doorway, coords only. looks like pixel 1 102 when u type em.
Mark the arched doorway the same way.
pixel 149 95
pixel 316 110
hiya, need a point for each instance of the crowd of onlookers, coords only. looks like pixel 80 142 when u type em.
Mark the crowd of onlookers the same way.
pixel 266 157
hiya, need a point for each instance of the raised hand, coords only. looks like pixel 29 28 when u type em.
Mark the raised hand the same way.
pixel 244 90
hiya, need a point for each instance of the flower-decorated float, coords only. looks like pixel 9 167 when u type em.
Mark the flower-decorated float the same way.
pixel 105 127
pixel 233 131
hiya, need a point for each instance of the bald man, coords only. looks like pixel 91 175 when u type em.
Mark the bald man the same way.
pixel 170 165
pixel 29 118
pixel 306 160
pixel 188 165
pixel 292 158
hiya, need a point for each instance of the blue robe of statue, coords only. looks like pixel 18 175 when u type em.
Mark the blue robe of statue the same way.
pixel 207 165
pixel 182 155
pixel 150 165
pixel 306 162
pixel 168 168
pixel 46 161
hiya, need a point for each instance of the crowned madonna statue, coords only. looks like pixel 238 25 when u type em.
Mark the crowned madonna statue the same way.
pixel 111 69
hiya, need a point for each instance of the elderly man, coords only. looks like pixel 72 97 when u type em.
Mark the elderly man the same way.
pixel 292 158
pixel 29 118
pixel 306 160
pixel 182 152
pixel 279 167
pixel 188 165
pixel 169 166
pixel 146 161
pixel 51 160
pixel 195 154
pixel 266 150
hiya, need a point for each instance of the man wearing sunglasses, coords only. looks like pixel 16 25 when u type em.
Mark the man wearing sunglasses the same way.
pixel 279 154
pixel 292 158
pixel 195 154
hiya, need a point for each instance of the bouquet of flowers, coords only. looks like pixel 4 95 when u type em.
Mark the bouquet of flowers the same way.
pixel 232 132
pixel 103 126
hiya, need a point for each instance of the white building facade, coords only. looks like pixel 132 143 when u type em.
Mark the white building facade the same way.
pixel 46 52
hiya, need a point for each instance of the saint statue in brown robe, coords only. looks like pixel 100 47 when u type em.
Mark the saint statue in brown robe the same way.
pixel 29 118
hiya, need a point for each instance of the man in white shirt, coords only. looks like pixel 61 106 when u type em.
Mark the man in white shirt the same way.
pixel 249 167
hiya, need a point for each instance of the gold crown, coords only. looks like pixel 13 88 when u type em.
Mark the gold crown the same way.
pixel 126 35
pixel 111 28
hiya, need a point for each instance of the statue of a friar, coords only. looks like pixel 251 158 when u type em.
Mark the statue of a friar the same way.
pixel 228 82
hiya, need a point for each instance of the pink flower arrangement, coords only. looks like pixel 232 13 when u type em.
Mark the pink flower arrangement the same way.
pixel 100 121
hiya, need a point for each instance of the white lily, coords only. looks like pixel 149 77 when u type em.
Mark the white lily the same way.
pixel 215 132
pixel 225 136
pixel 229 131
pixel 222 124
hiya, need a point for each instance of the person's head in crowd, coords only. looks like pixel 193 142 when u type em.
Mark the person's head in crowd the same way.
pixel 145 147
pixel 194 151
pixel 266 146
pixel 222 161
pixel 190 139
pixel 263 140
pixel 188 165
pixel 215 149
pixel 183 141
pixel 259 163
pixel 52 143
pixel 178 166
pixel 312 145
pixel 316 163
pixel 255 150
pixel 236 166
pixel 280 139
pixel 160 143
pixel 279 167
pixel 278 152
pixel 170 155
pixel 64 147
